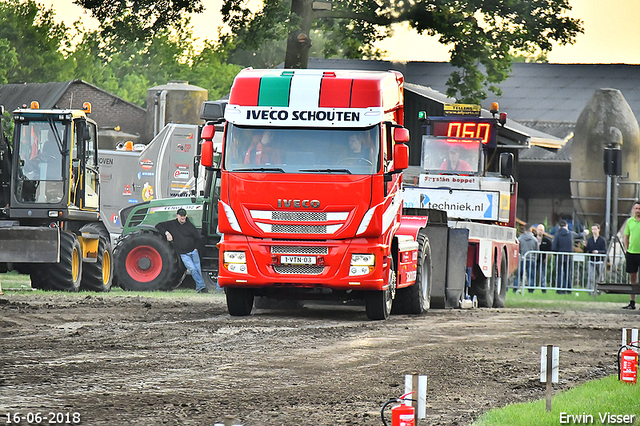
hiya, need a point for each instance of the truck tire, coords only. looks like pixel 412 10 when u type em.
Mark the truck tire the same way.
pixel 239 301
pixel 65 275
pixel 500 282
pixel 378 303
pixel 483 288
pixel 144 261
pixel 98 276
pixel 416 299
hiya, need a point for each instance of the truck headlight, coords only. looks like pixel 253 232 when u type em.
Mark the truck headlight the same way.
pixel 362 264
pixel 235 261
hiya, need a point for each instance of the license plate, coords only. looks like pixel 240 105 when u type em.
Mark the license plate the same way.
pixel 298 260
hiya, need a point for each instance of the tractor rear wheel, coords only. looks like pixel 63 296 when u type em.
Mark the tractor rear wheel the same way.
pixel 145 261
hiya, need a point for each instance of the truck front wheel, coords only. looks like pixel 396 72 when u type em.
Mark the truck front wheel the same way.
pixel 378 303
pixel 239 301
pixel 416 299
pixel 144 261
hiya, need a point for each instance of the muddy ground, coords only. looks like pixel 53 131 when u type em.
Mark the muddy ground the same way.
pixel 131 360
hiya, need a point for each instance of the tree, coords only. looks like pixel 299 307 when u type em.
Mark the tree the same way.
pixel 129 68
pixel 484 34
pixel 36 47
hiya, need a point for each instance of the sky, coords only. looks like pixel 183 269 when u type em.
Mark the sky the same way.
pixel 611 33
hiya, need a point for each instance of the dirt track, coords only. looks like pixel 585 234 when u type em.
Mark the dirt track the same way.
pixel 130 360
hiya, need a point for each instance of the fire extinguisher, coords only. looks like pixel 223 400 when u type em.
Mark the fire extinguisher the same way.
pixel 628 363
pixel 401 415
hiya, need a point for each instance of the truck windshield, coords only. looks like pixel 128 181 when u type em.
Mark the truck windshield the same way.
pixel 40 161
pixel 447 155
pixel 296 150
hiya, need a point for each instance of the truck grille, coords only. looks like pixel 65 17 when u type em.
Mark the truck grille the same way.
pixel 299 250
pixel 299 216
pixel 298 269
pixel 299 229
pixel 299 222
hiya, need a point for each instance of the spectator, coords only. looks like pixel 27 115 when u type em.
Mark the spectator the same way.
pixel 185 238
pixel 563 243
pixel 527 263
pixel 632 247
pixel 596 244
pixel 544 244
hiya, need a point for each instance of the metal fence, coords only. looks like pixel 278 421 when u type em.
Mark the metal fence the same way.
pixel 567 272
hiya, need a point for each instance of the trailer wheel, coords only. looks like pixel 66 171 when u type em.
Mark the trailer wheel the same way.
pixel 98 276
pixel 483 288
pixel 378 303
pixel 144 261
pixel 416 299
pixel 65 275
pixel 239 301
pixel 500 282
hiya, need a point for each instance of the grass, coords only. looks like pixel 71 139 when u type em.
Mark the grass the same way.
pixel 595 399
pixel 552 300
pixel 15 283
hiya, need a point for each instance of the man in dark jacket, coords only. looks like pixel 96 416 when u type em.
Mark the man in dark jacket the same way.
pixel 544 243
pixel 563 243
pixel 596 245
pixel 185 238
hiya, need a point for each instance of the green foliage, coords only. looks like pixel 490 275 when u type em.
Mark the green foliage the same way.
pixel 483 34
pixel 595 398
pixel 129 68
pixel 33 48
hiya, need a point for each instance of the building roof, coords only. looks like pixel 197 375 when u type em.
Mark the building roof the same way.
pixel 48 95
pixel 547 97
pixel 13 96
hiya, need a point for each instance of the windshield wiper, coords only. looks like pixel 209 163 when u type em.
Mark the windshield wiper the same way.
pixel 261 169
pixel 326 170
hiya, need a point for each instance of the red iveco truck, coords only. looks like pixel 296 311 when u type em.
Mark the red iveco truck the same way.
pixel 311 203
pixel 311 199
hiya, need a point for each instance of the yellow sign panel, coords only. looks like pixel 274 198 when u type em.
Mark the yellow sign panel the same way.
pixel 462 109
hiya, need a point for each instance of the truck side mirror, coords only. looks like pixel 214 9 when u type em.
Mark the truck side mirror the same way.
pixel 400 134
pixel 506 164
pixel 400 157
pixel 206 148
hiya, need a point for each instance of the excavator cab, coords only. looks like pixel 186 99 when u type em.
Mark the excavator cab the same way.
pixel 55 164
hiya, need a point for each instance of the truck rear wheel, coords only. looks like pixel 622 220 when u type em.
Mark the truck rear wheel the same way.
pixel 378 303
pixel 65 275
pixel 98 276
pixel 416 299
pixel 144 261
pixel 500 282
pixel 483 288
pixel 239 301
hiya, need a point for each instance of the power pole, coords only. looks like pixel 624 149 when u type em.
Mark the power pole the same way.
pixel 299 42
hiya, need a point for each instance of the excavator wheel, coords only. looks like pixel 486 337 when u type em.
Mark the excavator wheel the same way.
pixel 65 275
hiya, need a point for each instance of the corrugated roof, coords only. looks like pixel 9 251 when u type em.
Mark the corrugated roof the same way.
pixel 533 91
pixel 13 96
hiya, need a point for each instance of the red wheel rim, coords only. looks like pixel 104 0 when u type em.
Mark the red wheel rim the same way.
pixel 133 264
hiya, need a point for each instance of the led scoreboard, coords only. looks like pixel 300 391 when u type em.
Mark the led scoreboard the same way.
pixel 483 129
